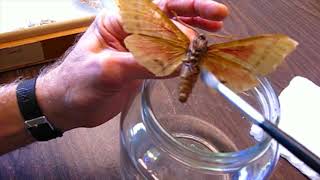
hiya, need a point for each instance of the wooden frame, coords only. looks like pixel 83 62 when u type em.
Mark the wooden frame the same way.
pixel 39 44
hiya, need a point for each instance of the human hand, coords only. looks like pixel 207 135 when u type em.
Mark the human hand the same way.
pixel 95 80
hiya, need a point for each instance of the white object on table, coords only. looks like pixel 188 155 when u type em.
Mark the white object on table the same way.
pixel 300 114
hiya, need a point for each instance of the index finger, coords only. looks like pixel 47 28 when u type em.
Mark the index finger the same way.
pixel 206 9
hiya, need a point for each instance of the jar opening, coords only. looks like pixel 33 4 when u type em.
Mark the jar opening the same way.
pixel 206 156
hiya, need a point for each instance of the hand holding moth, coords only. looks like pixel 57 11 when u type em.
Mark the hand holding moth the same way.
pixel 95 79
pixel 98 76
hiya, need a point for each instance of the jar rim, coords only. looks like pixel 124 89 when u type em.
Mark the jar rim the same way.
pixel 207 160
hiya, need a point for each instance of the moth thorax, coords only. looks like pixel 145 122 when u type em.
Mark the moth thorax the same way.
pixel 199 45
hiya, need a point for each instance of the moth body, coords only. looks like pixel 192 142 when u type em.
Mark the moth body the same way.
pixel 190 69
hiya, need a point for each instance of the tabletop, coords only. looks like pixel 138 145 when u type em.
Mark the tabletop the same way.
pixel 94 153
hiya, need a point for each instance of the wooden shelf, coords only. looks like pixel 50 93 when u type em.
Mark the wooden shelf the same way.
pixel 39 44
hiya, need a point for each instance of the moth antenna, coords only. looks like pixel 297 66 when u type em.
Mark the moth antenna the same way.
pixel 180 21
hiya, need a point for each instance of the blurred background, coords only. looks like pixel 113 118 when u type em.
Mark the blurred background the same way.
pixel 16 14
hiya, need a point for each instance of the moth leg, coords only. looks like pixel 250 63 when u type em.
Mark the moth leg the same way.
pixel 179 20
pixel 229 36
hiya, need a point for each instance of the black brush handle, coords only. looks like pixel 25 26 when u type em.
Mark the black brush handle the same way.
pixel 292 145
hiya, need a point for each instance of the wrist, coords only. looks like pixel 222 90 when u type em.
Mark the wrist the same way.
pixel 50 101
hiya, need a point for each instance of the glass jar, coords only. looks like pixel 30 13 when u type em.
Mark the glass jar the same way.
pixel 205 138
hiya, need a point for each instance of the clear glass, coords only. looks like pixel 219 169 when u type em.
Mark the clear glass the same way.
pixel 205 138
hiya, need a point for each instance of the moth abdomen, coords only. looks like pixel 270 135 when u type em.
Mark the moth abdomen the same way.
pixel 189 75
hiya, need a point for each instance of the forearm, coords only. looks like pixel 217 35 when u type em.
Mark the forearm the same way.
pixel 49 96
pixel 13 133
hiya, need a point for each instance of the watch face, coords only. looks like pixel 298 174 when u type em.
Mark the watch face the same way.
pixel 37 121
pixel 41 129
pixel 44 132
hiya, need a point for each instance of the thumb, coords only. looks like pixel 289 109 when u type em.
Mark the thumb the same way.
pixel 123 66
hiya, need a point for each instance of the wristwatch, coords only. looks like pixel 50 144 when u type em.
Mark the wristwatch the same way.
pixel 34 120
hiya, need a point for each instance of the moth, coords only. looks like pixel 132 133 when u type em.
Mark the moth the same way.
pixel 158 45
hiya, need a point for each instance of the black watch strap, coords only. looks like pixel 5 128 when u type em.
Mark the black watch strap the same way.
pixel 37 124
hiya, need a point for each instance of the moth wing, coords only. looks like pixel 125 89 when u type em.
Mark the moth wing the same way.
pixel 260 55
pixel 231 74
pixel 159 56
pixel 145 18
